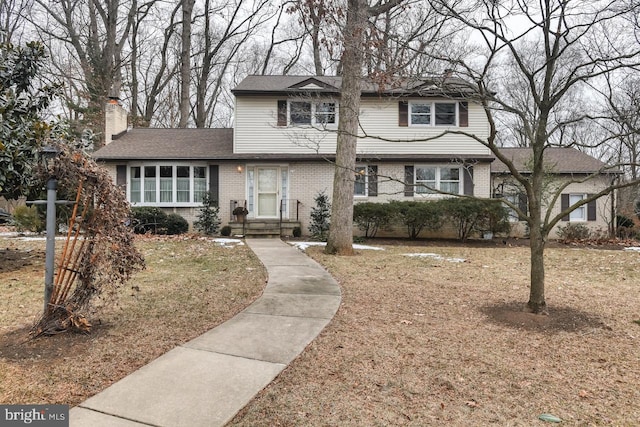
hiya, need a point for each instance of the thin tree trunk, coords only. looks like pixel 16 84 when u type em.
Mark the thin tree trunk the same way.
pixel 340 239
pixel 537 303
pixel 185 62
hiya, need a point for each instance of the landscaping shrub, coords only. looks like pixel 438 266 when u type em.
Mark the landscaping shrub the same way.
pixel 297 232
pixel 470 215
pixel 320 217
pixel 175 224
pixel 571 232
pixel 371 217
pixel 417 216
pixel 148 219
pixel 27 218
pixel 225 231
pixel 625 227
pixel 208 218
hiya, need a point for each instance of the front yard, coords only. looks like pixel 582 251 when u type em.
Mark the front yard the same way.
pixel 418 340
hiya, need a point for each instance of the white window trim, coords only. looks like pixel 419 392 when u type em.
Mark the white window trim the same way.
pixel 174 203
pixel 432 121
pixel 314 123
pixel 438 168
pixel 582 208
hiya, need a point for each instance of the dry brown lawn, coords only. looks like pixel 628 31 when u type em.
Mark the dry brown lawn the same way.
pixel 421 341
pixel 189 286
pixel 417 341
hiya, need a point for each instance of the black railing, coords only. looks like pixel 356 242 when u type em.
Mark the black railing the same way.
pixel 289 209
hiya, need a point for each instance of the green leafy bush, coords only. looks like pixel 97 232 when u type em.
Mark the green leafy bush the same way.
pixel 371 217
pixel 153 220
pixel 27 218
pixel 470 215
pixel 417 216
pixel 175 224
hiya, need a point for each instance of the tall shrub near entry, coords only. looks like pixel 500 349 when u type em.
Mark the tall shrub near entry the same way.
pixel 320 217
pixel 208 217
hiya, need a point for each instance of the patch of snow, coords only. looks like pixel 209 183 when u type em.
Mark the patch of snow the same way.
pixel 304 245
pixel 228 243
pixel 633 248
pixel 435 256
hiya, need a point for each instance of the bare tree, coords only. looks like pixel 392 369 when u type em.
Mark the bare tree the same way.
pixel 227 27
pixel 549 52
pixel 12 19
pixel 95 32
pixel 340 240
pixel 185 61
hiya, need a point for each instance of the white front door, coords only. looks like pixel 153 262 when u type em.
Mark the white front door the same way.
pixel 267 193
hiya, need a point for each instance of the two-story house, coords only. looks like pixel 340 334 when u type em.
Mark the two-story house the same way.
pixel 280 153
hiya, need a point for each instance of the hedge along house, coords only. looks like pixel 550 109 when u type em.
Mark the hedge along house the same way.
pixel 573 175
pixel 280 153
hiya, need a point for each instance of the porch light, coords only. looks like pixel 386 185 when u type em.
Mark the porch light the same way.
pixel 239 168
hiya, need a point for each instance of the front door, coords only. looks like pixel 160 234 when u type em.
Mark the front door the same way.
pixel 267 194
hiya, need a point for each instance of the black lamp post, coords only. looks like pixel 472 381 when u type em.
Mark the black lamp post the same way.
pixel 47 154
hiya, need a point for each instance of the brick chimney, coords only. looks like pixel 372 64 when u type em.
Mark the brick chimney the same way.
pixel 115 120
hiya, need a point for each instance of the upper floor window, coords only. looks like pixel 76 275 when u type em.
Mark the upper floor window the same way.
pixel 312 113
pixel 167 184
pixel 433 179
pixel 433 113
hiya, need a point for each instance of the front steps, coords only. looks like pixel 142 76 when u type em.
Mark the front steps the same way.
pixel 263 228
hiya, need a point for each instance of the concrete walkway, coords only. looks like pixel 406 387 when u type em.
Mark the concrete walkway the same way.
pixel 206 381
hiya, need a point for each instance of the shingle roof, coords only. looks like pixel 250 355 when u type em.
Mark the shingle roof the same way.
pixel 560 160
pixel 217 144
pixel 179 144
pixel 422 86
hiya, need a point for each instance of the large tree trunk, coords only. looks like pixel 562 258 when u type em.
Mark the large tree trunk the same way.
pixel 340 239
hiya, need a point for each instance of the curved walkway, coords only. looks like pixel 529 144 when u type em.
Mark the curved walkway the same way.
pixel 206 381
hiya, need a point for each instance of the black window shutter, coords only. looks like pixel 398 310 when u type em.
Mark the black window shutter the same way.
pixel 463 111
pixel 523 205
pixel 403 113
pixel 121 176
pixel 372 171
pixel 408 181
pixel 564 204
pixel 467 173
pixel 591 209
pixel 214 184
pixel 282 113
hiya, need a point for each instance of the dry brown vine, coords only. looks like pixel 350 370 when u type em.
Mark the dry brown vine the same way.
pixel 105 258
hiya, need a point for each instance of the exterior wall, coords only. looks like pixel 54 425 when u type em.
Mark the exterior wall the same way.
pixel 603 206
pixel 255 131
pixel 306 181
